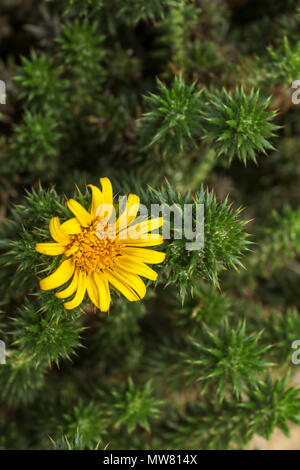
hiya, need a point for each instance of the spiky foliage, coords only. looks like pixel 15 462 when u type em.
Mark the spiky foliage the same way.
pixel 229 358
pixel 238 124
pixel 75 443
pixel 90 53
pixel 173 120
pixel 281 241
pixel 134 11
pixel 39 81
pixel 280 332
pixel 284 63
pixel 272 404
pixel 20 378
pixel 130 407
pixel 223 237
pixel 207 306
pixel 35 139
pixel 18 237
pixel 85 419
pixel 44 335
pixel 81 7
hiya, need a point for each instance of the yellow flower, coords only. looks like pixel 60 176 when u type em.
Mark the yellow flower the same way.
pixel 98 252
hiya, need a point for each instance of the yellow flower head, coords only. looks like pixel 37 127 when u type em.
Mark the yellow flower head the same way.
pixel 100 250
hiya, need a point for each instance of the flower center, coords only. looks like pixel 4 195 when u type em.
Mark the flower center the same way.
pixel 90 251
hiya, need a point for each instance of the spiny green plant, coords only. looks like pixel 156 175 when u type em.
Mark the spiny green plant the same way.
pixel 284 63
pixel 238 124
pixel 173 121
pixel 229 358
pixel 131 407
pixel 224 239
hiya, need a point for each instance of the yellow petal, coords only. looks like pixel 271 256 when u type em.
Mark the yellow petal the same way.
pixel 129 213
pixel 78 297
pixel 70 289
pixel 97 199
pixel 147 256
pixel 105 212
pixel 143 241
pixel 135 231
pixel 107 191
pixel 118 283
pixel 63 273
pixel 71 250
pixel 57 233
pixel 133 281
pixel 71 226
pixel 51 249
pixel 103 290
pixel 92 290
pixel 136 267
pixel 80 213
